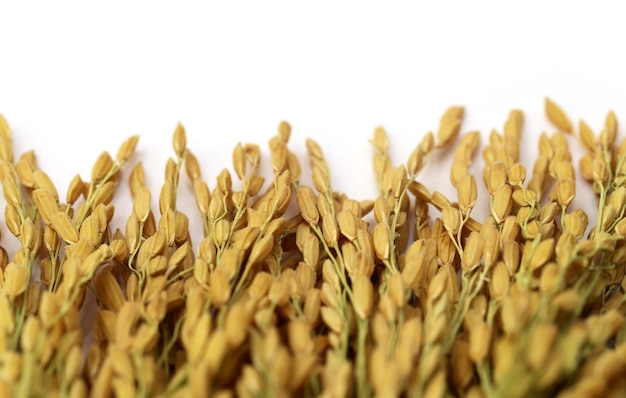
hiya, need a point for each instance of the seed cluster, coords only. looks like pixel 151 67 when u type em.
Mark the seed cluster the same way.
pixel 404 295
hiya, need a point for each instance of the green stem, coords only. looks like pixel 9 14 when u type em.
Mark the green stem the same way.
pixel 394 224
pixel 178 275
pixel 342 276
pixel 93 193
pixel 21 315
pixel 27 375
pixel 484 375
pixel 178 380
pixel 142 391
pixel 170 343
pixel 242 276
pixel 466 297
pixel 600 209
pixel 362 380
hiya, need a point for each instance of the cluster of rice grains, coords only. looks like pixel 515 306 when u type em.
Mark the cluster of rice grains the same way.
pixel 422 299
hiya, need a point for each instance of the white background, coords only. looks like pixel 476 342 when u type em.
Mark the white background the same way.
pixel 77 79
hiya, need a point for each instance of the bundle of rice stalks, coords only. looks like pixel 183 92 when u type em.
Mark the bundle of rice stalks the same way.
pixel 408 294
